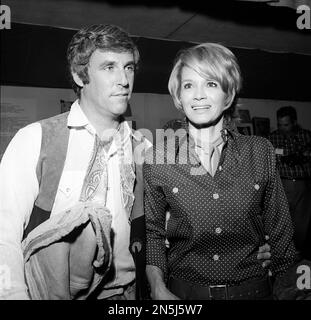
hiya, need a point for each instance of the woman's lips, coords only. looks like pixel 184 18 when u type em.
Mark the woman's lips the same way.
pixel 206 106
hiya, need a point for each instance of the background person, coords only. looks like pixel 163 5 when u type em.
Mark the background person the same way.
pixel 293 151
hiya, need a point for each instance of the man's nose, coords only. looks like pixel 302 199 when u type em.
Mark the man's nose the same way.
pixel 123 79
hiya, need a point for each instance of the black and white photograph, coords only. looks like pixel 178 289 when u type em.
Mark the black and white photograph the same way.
pixel 155 156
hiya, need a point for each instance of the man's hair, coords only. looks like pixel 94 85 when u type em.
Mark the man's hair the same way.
pixel 287 111
pixel 212 61
pixel 87 40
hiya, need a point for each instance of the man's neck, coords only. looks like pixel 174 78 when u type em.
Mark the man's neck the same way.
pixel 105 126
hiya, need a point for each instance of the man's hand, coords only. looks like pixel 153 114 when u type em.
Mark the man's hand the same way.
pixel 159 290
pixel 163 293
pixel 264 253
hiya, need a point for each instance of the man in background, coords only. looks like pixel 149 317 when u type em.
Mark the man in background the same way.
pixel 293 151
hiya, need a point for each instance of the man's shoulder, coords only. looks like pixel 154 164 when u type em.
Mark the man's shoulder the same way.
pixel 62 117
pixel 33 131
pixel 27 136
pixel 275 137
pixel 273 134
pixel 305 131
pixel 54 127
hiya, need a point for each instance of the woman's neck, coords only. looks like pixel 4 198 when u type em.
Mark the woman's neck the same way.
pixel 206 135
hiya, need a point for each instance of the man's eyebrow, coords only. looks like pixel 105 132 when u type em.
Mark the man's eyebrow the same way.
pixel 131 62
pixel 107 63
pixel 112 62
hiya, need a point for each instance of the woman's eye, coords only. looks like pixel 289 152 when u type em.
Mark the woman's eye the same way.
pixel 187 85
pixel 212 84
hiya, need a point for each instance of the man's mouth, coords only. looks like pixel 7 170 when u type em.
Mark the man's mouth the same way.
pixel 203 107
pixel 121 94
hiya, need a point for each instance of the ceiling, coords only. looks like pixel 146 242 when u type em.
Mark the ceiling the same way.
pixel 233 23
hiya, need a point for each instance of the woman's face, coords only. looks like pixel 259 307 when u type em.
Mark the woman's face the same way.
pixel 203 100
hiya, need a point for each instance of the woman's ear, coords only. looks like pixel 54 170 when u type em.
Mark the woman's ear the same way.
pixel 77 79
pixel 229 100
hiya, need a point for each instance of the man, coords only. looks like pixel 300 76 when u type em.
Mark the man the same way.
pixel 293 150
pixel 67 185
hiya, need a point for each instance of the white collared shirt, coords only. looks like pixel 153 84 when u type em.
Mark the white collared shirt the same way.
pixel 19 189
pixel 197 135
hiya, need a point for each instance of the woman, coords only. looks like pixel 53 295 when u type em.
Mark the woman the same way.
pixel 221 188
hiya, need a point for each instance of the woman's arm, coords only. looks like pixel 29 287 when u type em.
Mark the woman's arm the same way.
pixel 277 219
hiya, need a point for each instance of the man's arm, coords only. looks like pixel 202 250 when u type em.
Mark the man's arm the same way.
pixel 159 290
pixel 155 212
pixel 264 254
pixel 18 191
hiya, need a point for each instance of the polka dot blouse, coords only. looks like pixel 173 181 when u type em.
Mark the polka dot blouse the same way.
pixel 216 224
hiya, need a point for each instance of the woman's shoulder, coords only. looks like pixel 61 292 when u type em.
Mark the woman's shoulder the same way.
pixel 256 143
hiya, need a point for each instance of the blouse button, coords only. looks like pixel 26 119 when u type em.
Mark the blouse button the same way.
pixel 218 230
pixel 175 190
pixel 220 168
pixel 216 257
pixel 256 186
pixel 215 195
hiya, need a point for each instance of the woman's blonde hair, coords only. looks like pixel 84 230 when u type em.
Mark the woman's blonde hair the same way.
pixel 212 61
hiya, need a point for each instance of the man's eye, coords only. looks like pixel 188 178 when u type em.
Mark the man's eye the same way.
pixel 130 68
pixel 108 68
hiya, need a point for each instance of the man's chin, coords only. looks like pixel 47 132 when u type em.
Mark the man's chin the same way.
pixel 120 110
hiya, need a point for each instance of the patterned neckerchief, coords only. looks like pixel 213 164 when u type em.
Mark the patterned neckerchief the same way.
pixel 97 172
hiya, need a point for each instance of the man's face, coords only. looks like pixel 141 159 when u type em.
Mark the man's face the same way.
pixel 111 78
pixel 203 100
pixel 286 125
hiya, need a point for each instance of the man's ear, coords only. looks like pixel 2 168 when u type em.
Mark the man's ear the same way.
pixel 77 79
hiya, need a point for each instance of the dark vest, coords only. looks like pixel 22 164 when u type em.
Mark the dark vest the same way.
pixel 54 144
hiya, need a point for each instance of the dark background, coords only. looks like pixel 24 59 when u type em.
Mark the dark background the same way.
pixel 34 55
